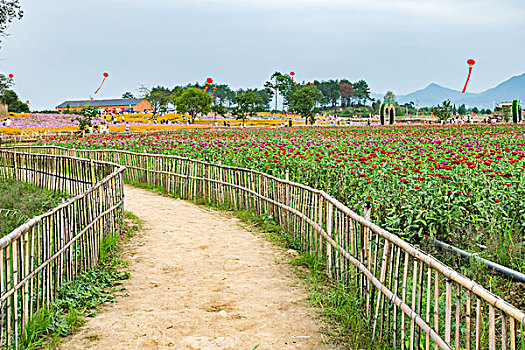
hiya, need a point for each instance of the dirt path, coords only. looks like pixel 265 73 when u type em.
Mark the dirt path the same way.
pixel 200 281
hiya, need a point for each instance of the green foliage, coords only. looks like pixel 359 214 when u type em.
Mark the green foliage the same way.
pixel 10 98
pixel 387 110
pixel 9 10
pixel 84 118
pixel 20 202
pixel 443 111
pixel 303 101
pixel 158 96
pixel 362 91
pixel 224 95
pixel 218 108
pixel 192 101
pixel 330 90
pixel 247 105
pixel 286 86
pixel 390 98
pixel 516 111
pixel 128 94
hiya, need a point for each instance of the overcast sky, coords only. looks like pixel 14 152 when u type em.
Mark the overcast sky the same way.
pixel 60 49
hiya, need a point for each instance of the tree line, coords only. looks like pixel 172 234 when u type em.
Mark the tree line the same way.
pixel 305 98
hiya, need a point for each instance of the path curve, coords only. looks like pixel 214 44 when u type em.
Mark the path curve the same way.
pixel 200 281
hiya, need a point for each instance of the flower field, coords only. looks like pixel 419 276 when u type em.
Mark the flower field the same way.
pixel 461 184
pixel 34 122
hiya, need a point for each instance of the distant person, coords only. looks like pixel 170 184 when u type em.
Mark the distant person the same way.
pixel 127 127
pixel 8 122
pixel 290 123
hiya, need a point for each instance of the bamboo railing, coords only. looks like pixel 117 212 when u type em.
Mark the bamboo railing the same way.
pixel 412 300
pixel 37 258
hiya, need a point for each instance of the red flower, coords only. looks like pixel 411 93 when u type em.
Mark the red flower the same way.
pixel 427 236
pixel 496 200
pixel 510 250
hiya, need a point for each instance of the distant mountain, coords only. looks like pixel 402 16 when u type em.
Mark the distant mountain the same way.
pixel 434 94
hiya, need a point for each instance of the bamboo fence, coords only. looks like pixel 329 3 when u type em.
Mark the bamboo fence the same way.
pixel 46 252
pixel 411 300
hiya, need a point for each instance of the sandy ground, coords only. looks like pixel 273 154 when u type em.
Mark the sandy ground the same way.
pixel 200 281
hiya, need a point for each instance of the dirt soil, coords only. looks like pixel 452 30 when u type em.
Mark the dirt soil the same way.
pixel 200 281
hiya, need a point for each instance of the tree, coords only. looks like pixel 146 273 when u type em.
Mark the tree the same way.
pixel 362 91
pixel 347 92
pixel 10 98
pixel 192 101
pixel 475 110
pixel 85 119
pixel 443 111
pixel 224 94
pixel 218 108
pixel 330 90
pixel 158 96
pixel 273 88
pixel 247 105
pixel 304 101
pixel 265 98
pixel 462 110
pixel 127 94
pixel 286 86
pixel 9 11
pixel 390 98
pixel 5 83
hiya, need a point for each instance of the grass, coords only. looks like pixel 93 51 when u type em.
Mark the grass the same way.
pixel 21 201
pixel 80 298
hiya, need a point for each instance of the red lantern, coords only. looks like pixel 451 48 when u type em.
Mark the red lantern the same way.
pixel 105 75
pixel 470 62
pixel 11 76
pixel 209 80
pixel 292 73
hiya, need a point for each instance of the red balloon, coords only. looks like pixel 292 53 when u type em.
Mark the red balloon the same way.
pixel 91 98
pixel 106 75
pixel 27 101
pixel 209 80
pixel 214 89
pixel 292 73
pixel 11 76
pixel 471 62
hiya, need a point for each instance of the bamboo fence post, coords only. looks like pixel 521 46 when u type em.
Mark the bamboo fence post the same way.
pixel 367 248
pixel 492 328
pixel 458 311
pixel 404 294
pixel 382 278
pixel 414 286
pixel 468 321
pixel 329 223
